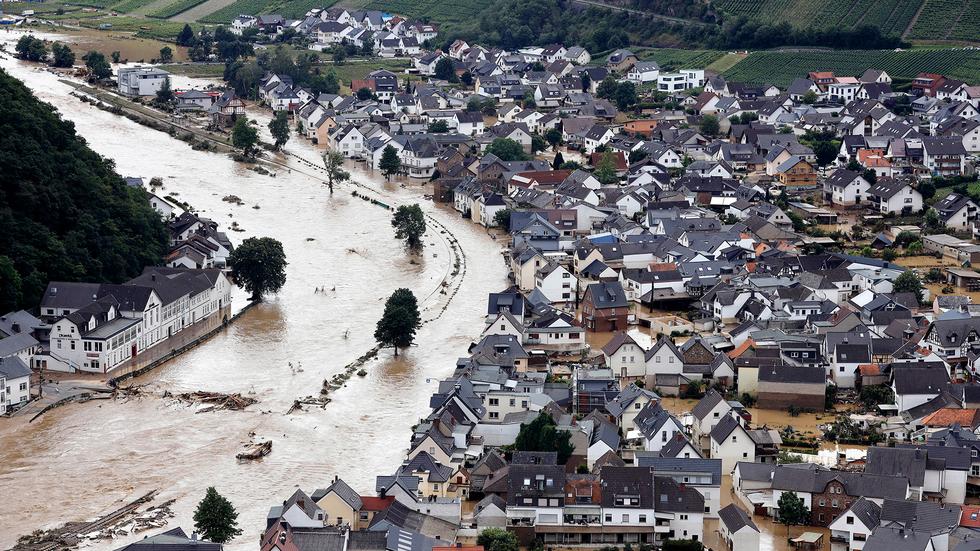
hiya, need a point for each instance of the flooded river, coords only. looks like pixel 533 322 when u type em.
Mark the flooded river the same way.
pixel 84 460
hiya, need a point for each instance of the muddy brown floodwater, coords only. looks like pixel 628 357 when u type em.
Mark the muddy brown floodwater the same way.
pixel 86 459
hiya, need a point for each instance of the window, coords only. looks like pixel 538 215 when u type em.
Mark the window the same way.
pixel 494 415
pixel 835 504
pixel 608 517
pixel 513 402
pixel 717 415
pixel 626 517
pixel 494 401
pixel 435 487
pixel 849 519
pixel 23 386
pixel 643 518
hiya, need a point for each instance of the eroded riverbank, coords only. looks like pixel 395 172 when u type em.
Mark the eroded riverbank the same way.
pixel 87 458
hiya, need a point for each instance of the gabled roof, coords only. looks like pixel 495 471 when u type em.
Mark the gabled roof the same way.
pixel 735 519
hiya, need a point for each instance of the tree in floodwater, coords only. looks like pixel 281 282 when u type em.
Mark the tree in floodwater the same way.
pixel 61 55
pixel 216 518
pixel 244 136
pixel 390 163
pixel 98 66
pixel 259 266
pixel 409 224
pixel 334 163
pixel 791 510
pixel 400 320
pixel 279 128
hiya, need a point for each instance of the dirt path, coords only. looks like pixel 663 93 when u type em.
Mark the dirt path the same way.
pixel 201 10
pixel 915 19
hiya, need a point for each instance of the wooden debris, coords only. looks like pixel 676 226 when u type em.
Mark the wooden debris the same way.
pixel 217 399
pixel 255 451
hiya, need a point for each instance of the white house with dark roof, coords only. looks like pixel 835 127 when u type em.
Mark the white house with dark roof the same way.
pixel 856 524
pixel 15 383
pixel 737 529
pixel 731 443
pixel 707 413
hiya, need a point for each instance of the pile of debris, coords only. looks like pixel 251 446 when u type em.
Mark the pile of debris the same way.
pixel 255 451
pixel 216 400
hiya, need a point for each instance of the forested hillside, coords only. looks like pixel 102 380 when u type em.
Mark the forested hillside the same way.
pixel 64 212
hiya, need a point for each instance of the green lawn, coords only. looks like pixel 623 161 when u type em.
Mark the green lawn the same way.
pixel 675 58
pixel 196 70
pixel 174 8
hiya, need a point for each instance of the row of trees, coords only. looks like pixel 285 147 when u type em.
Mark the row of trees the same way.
pixel 31 48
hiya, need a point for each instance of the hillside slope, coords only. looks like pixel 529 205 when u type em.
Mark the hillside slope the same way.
pixel 64 212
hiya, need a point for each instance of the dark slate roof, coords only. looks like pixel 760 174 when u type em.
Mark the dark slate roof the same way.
pixel 867 511
pixel 913 380
pixel 608 295
pixel 724 427
pixel 924 516
pixel 668 466
pixel 735 519
pixel 756 472
pixel 888 538
pixel 673 497
pixel 12 367
pixel 345 492
pixel 706 404
pixel 897 461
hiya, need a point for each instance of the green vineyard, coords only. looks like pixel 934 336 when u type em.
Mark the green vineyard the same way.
pixel 780 68
pixel 948 20
pixel 174 8
pixel 672 58
pixel 891 16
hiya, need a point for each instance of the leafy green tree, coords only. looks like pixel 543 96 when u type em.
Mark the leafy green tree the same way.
pixel 791 510
pixel 625 95
pixel 259 266
pixel 607 88
pixel 215 518
pixel 244 136
pixel 553 137
pixel 908 282
pixel 888 254
pixel 445 70
pixel 115 56
pixel 364 94
pixel 709 125
pixel 31 48
pixel 97 65
pixel 543 435
pixel 558 162
pixel 11 286
pixel 166 54
pixel 165 95
pixel 334 163
pixel 61 55
pixel 507 149
pixel 825 151
pixel 391 163
pixel 474 104
pixel 586 82
pixel 339 54
pixel 538 143
pixel 870 176
pixel 605 169
pixel 400 321
pixel 927 189
pixel 872 395
pixel 810 97
pixel 501 219
pixel 409 224
pixel 467 78
pixel 438 127
pixel 931 219
pixel 497 539
pixel 830 397
pixel 186 36
pixel 279 128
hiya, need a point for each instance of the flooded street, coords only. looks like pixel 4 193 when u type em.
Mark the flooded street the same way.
pixel 85 459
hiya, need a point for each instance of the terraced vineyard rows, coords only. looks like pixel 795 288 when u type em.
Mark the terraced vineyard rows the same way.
pixel 780 68
pixel 174 8
pixel 231 11
pixel 891 16
pixel 437 10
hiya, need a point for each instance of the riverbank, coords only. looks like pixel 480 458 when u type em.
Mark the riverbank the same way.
pixel 281 349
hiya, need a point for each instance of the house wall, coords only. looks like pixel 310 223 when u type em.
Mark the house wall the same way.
pixel 336 510
pixel 737 447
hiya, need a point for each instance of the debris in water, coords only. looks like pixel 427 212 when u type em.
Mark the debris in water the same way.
pixel 255 451
pixel 218 400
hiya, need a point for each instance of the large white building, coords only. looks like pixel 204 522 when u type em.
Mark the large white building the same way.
pixel 97 328
pixel 141 81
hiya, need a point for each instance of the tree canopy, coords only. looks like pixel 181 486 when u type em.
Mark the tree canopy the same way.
pixel 31 48
pixel 542 435
pixel 400 321
pixel 791 510
pixel 507 149
pixel 497 539
pixel 215 518
pixel 334 163
pixel 908 282
pixel 244 136
pixel 409 224
pixel 391 163
pixel 279 128
pixel 50 226
pixel 259 266
pixel 98 66
pixel 61 55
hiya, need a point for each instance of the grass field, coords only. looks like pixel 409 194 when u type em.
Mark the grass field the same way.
pixel 891 16
pixel 127 6
pixel 780 68
pixel 440 11
pixel 354 70
pixel 147 28
pixel 673 58
pixel 174 8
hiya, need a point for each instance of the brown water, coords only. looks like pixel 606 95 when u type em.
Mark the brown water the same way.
pixel 83 460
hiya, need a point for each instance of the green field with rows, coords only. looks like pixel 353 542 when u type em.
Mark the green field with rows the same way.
pixel 948 20
pixel 441 11
pixel 231 11
pixel 891 16
pixel 174 8
pixel 780 68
